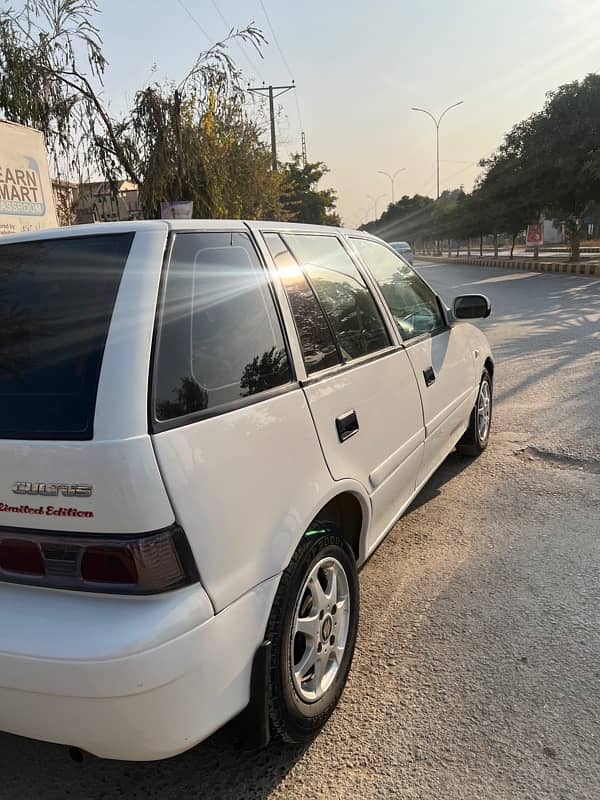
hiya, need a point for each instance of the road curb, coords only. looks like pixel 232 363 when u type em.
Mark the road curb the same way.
pixel 530 265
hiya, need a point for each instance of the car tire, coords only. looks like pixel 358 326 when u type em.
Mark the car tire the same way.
pixel 477 435
pixel 312 629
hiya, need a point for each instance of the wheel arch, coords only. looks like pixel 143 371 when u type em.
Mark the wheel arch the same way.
pixel 345 511
pixel 347 505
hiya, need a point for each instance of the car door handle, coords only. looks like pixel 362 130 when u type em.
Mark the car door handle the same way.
pixel 347 425
pixel 429 376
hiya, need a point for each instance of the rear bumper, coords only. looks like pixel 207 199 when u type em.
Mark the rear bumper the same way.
pixel 143 705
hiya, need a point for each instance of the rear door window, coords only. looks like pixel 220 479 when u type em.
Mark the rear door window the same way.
pixel 220 338
pixel 56 303
pixel 345 297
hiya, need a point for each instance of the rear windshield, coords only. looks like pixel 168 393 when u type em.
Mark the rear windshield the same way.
pixel 56 301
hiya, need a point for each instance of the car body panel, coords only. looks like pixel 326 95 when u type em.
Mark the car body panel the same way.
pixel 240 484
pixel 192 676
pixel 448 401
pixel 388 444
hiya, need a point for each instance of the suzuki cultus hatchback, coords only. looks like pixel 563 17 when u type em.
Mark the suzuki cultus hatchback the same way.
pixel 206 428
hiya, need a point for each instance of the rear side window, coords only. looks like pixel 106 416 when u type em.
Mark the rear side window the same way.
pixel 56 302
pixel 316 339
pixel 343 293
pixel 220 339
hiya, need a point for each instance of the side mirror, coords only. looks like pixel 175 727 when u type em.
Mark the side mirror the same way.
pixel 472 306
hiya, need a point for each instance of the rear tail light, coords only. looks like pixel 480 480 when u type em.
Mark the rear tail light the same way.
pixel 21 557
pixel 145 564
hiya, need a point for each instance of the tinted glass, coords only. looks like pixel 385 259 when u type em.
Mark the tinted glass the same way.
pixel 220 338
pixel 345 297
pixel 56 302
pixel 318 348
pixel 413 304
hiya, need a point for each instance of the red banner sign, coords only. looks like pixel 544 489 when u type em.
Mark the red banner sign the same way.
pixel 535 235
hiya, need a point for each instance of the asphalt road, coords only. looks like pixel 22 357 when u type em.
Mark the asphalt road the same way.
pixel 477 673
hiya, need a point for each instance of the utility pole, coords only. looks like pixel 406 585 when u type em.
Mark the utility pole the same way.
pixel 437 122
pixel 304 158
pixel 269 91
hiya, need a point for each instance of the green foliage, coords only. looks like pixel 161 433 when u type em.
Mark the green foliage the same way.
pixel 302 201
pixel 188 141
pixel 409 219
pixel 51 69
pixel 548 164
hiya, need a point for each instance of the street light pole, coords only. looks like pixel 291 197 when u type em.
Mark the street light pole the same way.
pixel 375 200
pixel 392 179
pixel 437 122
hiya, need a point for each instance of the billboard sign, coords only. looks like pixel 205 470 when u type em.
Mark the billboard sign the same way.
pixel 535 236
pixel 26 199
pixel 177 209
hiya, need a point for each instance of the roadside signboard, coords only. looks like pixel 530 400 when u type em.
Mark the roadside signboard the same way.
pixel 177 209
pixel 26 199
pixel 535 236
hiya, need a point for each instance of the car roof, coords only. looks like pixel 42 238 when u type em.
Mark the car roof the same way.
pixel 400 244
pixel 134 226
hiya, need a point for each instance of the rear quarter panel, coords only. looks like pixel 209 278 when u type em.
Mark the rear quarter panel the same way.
pixel 245 485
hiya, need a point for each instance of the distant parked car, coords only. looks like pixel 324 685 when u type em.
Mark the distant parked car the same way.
pixel 404 249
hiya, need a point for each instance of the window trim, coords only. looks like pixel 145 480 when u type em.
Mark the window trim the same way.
pixel 159 426
pixel 445 326
pixel 355 363
pixel 325 316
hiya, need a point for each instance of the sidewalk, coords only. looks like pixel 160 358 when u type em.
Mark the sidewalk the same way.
pixel 587 267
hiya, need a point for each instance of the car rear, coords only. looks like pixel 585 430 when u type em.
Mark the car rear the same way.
pixel 108 641
pixel 404 249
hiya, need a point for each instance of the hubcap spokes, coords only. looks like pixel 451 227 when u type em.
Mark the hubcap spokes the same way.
pixel 320 629
pixel 484 407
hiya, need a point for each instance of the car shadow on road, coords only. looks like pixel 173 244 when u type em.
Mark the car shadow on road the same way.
pixel 219 769
pixel 447 471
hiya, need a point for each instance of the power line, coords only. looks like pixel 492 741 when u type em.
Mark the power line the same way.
pixel 238 43
pixel 285 63
pixel 193 18
pixel 299 112
pixel 275 39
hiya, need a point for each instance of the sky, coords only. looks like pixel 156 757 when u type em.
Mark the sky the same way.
pixel 360 66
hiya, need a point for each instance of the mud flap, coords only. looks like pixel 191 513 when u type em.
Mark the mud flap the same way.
pixel 253 723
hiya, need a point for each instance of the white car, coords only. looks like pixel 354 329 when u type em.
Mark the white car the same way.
pixel 207 428
pixel 404 249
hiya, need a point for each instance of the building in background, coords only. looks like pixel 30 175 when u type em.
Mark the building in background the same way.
pixel 103 202
pixel 95 201
pixel 65 201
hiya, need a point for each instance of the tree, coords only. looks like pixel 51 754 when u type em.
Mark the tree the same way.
pixel 557 154
pixel 189 141
pixel 447 216
pixel 508 195
pixel 409 219
pixel 567 134
pixel 51 70
pixel 301 200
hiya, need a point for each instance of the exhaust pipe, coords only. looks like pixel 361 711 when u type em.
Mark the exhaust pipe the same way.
pixel 76 755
